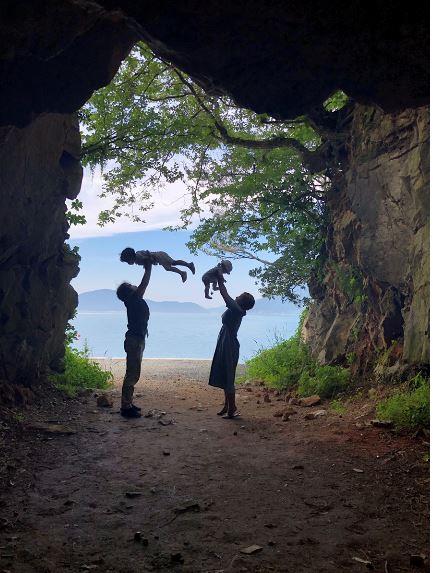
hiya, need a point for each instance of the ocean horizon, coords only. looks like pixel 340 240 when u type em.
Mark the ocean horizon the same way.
pixel 180 335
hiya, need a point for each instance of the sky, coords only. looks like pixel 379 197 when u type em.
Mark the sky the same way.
pixel 99 248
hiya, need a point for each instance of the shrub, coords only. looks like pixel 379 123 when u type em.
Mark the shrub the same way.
pixel 326 381
pixel 289 364
pixel 410 409
pixel 81 372
pixel 282 365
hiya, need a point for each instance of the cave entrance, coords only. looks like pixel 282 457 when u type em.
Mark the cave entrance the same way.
pixel 161 152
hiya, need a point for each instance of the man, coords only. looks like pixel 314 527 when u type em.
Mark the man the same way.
pixel 138 317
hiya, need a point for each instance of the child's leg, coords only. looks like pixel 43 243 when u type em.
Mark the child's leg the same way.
pixel 215 286
pixel 226 406
pixel 206 290
pixel 172 269
pixel 181 263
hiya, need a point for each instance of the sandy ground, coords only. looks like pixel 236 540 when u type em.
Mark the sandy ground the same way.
pixel 322 495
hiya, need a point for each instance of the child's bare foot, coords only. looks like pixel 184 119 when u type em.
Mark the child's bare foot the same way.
pixel 192 268
pixel 184 276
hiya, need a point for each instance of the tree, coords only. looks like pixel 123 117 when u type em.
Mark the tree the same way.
pixel 255 183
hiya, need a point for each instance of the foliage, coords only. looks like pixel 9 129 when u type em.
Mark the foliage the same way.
pixel 73 215
pixel 327 381
pixel 254 183
pixel 289 365
pixel 409 409
pixel 338 407
pixel 336 101
pixel 350 281
pixel 81 372
pixel 280 366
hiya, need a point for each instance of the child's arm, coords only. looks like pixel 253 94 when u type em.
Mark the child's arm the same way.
pixel 141 289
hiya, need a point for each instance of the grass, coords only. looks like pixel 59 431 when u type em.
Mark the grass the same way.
pixel 408 409
pixel 338 407
pixel 289 365
pixel 81 372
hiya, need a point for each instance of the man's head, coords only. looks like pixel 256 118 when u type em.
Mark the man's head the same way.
pixel 125 290
pixel 246 301
pixel 128 256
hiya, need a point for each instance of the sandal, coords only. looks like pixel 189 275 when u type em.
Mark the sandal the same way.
pixel 222 412
pixel 235 414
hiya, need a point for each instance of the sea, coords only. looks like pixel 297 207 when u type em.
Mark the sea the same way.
pixel 180 335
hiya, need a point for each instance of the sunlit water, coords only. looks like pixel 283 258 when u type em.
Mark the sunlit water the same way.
pixel 180 335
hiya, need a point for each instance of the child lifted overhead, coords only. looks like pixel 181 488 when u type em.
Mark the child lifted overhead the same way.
pixel 211 276
pixel 132 257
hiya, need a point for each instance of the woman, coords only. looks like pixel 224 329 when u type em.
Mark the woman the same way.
pixel 226 356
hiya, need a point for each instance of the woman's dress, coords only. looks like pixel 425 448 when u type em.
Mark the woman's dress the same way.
pixel 226 356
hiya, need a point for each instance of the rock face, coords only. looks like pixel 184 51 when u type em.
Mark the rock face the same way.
pixel 283 58
pixel 374 295
pixel 39 168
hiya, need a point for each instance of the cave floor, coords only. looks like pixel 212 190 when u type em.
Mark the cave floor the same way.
pixel 316 495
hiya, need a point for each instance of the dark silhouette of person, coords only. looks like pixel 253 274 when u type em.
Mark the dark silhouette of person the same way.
pixel 138 318
pixel 226 356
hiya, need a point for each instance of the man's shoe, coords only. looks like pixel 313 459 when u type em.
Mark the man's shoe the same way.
pixel 136 407
pixel 130 412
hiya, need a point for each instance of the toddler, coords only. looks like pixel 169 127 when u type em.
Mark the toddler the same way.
pixel 211 276
pixel 132 257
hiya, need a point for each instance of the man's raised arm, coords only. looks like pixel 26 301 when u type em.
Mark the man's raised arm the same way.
pixel 141 289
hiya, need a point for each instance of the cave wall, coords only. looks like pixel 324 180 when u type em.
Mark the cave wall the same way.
pixel 373 298
pixel 39 169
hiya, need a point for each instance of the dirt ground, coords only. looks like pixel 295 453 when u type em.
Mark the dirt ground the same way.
pixel 187 491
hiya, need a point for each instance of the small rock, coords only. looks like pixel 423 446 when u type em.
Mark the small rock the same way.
pixel 319 413
pixel 283 411
pixel 271 543
pixel 138 536
pixel 358 470
pixel 267 398
pixel 365 562
pixel 310 401
pixel 298 467
pixel 418 560
pixel 293 401
pixel 382 423
pixel 193 507
pixel 285 417
pixel 166 422
pixel 251 549
pixel 235 433
pixel 132 494
pixel 176 558
pixel 165 453
pixel 104 401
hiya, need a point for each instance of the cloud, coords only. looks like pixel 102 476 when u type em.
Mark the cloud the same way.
pixel 168 203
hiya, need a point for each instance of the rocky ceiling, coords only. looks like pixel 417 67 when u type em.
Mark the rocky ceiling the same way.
pixel 280 57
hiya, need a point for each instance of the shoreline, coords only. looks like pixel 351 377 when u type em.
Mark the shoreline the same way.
pixel 148 358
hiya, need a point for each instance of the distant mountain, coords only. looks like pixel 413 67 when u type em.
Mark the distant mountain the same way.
pixel 266 306
pixel 104 300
